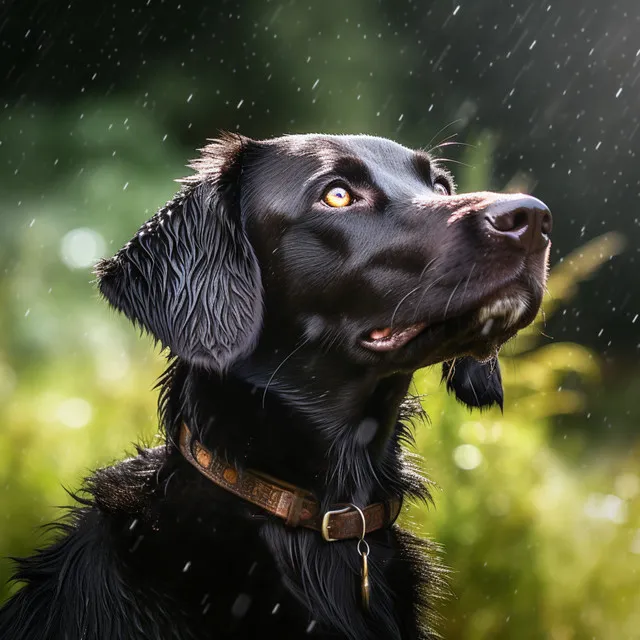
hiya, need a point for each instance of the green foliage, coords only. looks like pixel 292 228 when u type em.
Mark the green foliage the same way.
pixel 542 540
pixel 75 382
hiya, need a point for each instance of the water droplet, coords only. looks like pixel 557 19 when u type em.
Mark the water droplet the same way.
pixel 241 605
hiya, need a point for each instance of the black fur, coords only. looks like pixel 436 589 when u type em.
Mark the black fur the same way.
pixel 476 384
pixel 267 299
pixel 190 276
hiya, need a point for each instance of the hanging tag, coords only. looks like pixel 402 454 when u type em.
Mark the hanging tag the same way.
pixel 365 582
pixel 363 550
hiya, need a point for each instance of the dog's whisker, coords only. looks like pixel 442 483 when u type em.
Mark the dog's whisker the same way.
pixel 284 360
pixel 446 309
pixel 463 164
pixel 395 311
pixel 424 293
pixel 450 143
pixel 420 277
pixel 440 131
pixel 466 284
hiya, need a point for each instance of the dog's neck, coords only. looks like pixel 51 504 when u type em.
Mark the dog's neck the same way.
pixel 312 423
pixel 336 435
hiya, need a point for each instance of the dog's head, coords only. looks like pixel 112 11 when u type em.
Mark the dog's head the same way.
pixel 354 243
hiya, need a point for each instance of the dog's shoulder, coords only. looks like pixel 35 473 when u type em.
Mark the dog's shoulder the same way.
pixel 125 487
pixel 60 598
pixel 77 587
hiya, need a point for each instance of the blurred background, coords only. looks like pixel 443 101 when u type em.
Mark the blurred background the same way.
pixel 103 104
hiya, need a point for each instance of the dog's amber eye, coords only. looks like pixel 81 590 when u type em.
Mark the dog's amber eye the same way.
pixel 337 197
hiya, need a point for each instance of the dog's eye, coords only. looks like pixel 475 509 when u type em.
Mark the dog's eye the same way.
pixel 441 187
pixel 337 197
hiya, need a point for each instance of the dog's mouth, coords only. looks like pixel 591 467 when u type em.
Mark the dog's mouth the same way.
pixel 388 339
pixel 498 316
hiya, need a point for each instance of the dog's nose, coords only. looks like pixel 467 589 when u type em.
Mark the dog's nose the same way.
pixel 523 221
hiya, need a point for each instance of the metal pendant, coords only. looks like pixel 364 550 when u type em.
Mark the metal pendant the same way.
pixel 365 587
pixel 363 550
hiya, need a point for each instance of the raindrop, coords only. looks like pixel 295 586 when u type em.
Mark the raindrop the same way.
pixel 241 605
pixel 487 326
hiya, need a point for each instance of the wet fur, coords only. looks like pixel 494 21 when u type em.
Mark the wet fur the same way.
pixel 153 549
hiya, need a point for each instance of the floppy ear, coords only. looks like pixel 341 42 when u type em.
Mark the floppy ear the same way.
pixel 476 384
pixel 190 276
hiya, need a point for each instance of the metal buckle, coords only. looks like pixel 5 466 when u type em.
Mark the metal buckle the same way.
pixel 325 522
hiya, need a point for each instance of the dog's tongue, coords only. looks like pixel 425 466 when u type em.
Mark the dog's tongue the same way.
pixel 379 334
pixel 388 339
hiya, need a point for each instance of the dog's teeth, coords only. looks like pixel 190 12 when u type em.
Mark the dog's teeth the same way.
pixel 378 334
pixel 511 309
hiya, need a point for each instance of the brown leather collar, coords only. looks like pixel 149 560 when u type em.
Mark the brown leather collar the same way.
pixel 297 507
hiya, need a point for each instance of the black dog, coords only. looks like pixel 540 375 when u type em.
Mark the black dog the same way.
pixel 298 283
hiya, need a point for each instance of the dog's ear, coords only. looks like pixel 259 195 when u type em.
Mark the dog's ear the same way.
pixel 190 276
pixel 476 384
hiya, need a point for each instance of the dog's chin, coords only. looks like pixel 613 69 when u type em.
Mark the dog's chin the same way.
pixel 479 332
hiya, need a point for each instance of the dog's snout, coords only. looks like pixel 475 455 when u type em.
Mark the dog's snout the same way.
pixel 524 221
